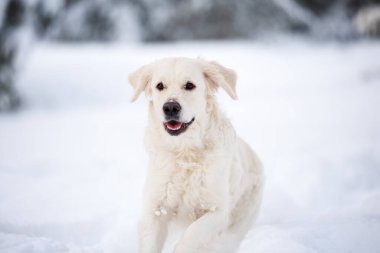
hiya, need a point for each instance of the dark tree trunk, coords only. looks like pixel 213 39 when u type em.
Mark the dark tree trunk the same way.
pixel 13 18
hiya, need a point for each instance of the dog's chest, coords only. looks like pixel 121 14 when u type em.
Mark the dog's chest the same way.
pixel 188 191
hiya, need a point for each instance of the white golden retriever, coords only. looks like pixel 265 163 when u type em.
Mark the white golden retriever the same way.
pixel 200 173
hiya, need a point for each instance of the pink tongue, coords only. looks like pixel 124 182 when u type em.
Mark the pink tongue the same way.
pixel 174 125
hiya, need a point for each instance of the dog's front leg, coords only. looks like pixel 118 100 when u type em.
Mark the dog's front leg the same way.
pixel 198 235
pixel 153 225
pixel 153 231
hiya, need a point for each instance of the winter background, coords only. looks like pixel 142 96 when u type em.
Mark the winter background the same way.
pixel 72 161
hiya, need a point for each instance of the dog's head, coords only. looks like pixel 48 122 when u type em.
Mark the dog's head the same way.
pixel 180 89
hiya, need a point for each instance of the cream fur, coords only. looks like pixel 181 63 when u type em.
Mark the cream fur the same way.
pixel 207 177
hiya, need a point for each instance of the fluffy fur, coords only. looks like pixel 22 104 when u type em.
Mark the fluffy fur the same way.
pixel 207 177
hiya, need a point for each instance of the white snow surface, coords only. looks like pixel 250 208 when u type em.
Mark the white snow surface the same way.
pixel 72 162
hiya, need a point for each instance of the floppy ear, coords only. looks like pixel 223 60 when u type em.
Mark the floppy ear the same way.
pixel 220 76
pixel 139 80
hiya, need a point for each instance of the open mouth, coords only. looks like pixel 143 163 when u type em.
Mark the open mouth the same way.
pixel 174 127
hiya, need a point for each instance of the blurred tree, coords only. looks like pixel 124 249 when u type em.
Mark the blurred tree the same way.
pixel 44 19
pixel 12 20
pixel 84 20
pixel 343 19
pixel 367 21
pixel 318 7
pixel 213 19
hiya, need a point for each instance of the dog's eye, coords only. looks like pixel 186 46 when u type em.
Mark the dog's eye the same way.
pixel 189 86
pixel 160 86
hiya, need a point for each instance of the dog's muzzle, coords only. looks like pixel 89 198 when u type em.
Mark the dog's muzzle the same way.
pixel 172 125
pixel 175 127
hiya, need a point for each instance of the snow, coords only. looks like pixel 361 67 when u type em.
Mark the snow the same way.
pixel 72 162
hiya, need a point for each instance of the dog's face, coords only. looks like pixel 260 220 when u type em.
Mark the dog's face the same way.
pixel 179 89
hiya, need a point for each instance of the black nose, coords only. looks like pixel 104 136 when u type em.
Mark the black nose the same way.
pixel 171 109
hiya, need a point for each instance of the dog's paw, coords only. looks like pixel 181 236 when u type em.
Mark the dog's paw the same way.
pixel 160 211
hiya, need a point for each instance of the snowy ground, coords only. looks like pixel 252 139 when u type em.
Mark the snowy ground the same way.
pixel 72 163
